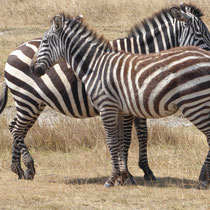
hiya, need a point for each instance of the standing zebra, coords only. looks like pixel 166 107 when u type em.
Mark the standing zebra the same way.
pixel 149 86
pixel 63 92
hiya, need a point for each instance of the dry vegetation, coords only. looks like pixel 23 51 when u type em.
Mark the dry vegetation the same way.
pixel 71 158
pixel 72 167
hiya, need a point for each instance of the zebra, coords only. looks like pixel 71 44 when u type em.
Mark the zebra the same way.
pixel 165 29
pixel 146 86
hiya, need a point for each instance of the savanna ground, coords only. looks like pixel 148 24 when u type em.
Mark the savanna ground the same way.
pixel 71 158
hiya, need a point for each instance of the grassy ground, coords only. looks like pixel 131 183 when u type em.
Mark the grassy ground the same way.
pixel 72 167
pixel 75 181
pixel 71 158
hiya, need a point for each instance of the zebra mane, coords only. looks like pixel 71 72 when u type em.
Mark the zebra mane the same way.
pixel 193 9
pixel 138 28
pixel 98 39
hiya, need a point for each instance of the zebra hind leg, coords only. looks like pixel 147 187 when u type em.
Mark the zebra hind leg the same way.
pixel 28 162
pixel 27 159
pixel 204 178
pixel 142 135
pixel 19 129
pixel 202 122
pixel 19 148
pixel 16 154
pixel 16 162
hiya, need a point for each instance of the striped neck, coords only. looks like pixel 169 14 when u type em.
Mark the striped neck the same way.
pixel 165 30
pixel 82 47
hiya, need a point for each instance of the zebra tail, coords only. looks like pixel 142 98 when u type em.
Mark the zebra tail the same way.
pixel 3 97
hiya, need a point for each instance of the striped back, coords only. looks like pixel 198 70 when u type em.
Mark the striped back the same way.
pixel 157 85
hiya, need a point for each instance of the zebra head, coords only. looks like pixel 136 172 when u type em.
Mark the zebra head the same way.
pixel 51 49
pixel 192 31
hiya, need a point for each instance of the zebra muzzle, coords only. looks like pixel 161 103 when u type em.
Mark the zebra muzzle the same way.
pixel 38 69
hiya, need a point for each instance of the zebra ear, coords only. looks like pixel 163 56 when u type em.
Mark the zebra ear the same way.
pixel 57 22
pixel 176 13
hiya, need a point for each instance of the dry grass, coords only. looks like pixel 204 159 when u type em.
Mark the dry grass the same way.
pixel 72 164
pixel 38 12
pixel 71 159
pixel 74 180
pixel 58 133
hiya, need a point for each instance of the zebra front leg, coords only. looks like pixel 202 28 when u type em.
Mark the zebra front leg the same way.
pixel 123 150
pixel 142 135
pixel 127 121
pixel 110 120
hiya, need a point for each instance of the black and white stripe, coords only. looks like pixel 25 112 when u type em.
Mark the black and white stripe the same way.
pixel 60 89
pixel 117 83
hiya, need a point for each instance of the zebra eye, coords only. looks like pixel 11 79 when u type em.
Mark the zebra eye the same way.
pixel 45 41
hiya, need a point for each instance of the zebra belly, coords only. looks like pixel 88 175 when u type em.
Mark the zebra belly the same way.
pixel 147 106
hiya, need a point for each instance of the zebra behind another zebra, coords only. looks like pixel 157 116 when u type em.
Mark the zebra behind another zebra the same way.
pixel 149 86
pixel 61 91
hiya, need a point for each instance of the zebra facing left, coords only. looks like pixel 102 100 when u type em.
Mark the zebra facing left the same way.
pixel 149 86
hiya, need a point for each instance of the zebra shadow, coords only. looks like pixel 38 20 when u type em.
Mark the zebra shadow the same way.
pixel 166 182
pixel 163 182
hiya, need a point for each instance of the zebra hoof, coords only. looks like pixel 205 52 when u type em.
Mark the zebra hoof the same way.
pixel 202 185
pixel 20 176
pixel 149 177
pixel 123 178
pixel 130 181
pixel 19 171
pixel 133 181
pixel 29 174
pixel 108 184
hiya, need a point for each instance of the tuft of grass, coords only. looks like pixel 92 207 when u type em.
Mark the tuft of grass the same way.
pixel 173 136
pixel 5 138
pixel 55 132
pixel 58 133
pixel 67 135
